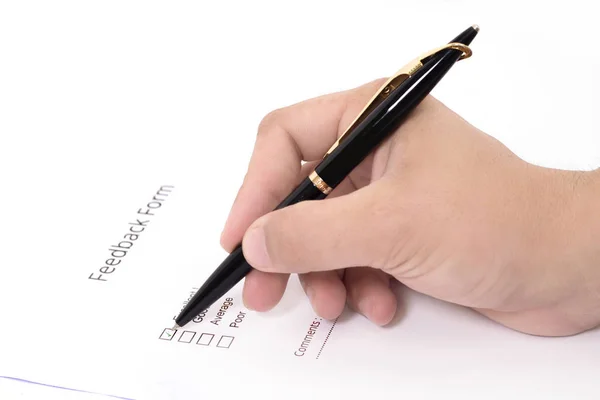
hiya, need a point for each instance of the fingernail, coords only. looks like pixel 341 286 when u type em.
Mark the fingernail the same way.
pixel 222 237
pixel 310 292
pixel 255 248
pixel 245 302
pixel 221 242
pixel 365 307
pixel 244 296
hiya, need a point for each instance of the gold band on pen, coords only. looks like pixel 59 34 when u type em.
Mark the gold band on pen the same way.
pixel 319 183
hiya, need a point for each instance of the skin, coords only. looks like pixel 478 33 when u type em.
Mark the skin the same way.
pixel 440 206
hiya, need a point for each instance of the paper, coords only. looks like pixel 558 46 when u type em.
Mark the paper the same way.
pixel 112 281
pixel 103 104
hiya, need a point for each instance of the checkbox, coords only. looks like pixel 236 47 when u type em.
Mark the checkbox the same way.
pixel 168 334
pixel 187 337
pixel 225 342
pixel 205 339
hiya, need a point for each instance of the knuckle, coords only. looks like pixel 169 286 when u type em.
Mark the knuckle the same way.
pixel 270 120
pixel 245 186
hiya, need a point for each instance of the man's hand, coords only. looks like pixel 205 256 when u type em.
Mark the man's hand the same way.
pixel 440 206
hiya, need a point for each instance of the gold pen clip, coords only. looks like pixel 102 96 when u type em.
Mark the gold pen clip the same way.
pixel 392 83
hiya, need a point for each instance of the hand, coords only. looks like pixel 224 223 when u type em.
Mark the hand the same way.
pixel 440 206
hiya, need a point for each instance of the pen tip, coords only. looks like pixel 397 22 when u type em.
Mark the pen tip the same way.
pixel 476 27
pixel 175 327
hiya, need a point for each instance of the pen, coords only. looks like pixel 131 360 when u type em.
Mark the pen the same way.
pixel 382 115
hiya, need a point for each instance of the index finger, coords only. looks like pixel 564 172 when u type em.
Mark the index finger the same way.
pixel 300 132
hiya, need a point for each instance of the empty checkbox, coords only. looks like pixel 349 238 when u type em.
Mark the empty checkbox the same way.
pixel 187 337
pixel 225 342
pixel 205 339
pixel 168 334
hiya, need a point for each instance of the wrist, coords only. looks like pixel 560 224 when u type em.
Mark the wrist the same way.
pixel 587 219
pixel 577 246
pixel 558 260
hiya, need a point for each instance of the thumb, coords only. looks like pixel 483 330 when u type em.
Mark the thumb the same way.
pixel 347 231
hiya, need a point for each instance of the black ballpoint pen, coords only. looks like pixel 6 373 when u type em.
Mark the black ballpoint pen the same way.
pixel 384 113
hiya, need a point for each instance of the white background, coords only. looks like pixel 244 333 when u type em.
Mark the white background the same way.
pixel 100 91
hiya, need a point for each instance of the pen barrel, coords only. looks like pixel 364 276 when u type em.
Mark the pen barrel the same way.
pixel 235 267
pixel 306 190
pixel 384 120
pixel 231 271
pixel 350 152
